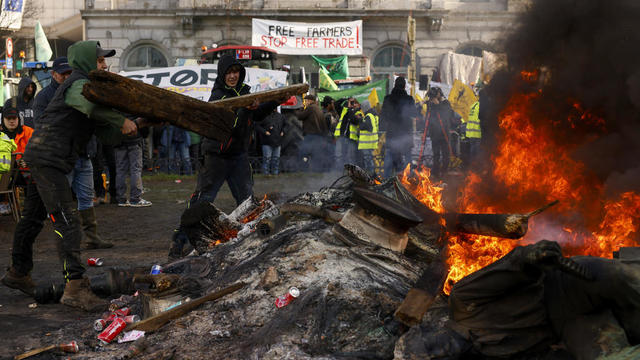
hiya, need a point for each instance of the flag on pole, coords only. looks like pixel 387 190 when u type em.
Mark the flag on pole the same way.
pixel 373 98
pixel 43 49
pixel 325 80
pixel 337 68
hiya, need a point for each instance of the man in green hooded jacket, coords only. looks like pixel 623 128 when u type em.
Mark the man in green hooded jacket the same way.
pixel 63 129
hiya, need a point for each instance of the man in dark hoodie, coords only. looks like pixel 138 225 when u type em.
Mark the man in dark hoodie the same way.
pixel 230 161
pixel 398 112
pixel 227 161
pixel 24 101
pixel 63 131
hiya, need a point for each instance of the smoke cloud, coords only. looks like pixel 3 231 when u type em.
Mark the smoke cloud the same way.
pixel 588 53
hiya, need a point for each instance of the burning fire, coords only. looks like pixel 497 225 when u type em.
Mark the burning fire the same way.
pixel 533 166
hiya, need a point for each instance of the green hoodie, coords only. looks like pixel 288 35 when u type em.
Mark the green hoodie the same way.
pixel 82 56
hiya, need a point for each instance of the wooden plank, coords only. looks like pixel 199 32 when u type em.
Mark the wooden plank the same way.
pixel 213 120
pixel 155 322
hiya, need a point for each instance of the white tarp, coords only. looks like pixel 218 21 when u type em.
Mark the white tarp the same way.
pixel 292 38
pixel 11 14
pixel 197 81
pixel 462 67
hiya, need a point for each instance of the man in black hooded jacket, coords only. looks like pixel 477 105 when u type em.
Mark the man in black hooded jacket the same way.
pixel 227 161
pixel 230 161
pixel 24 101
pixel 398 112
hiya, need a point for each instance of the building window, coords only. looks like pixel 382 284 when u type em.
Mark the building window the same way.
pixel 472 49
pixel 392 57
pixel 145 56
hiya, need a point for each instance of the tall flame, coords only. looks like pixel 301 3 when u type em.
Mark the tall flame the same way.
pixel 533 166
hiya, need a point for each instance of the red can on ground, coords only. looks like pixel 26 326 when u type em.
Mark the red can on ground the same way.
pixel 94 261
pixel 284 300
pixel 112 331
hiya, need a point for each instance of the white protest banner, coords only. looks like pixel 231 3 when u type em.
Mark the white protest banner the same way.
pixel 291 38
pixel 197 81
pixel 11 14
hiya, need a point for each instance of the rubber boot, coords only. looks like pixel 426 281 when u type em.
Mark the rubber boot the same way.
pixel 18 281
pixel 90 228
pixel 78 294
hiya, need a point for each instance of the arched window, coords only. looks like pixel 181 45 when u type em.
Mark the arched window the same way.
pixel 145 56
pixel 393 56
pixel 473 48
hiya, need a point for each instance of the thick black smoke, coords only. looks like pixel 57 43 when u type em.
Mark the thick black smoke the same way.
pixel 590 53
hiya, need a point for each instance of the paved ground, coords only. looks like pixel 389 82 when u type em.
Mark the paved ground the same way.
pixel 141 236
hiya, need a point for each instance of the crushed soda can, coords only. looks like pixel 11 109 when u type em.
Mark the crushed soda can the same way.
pixel 100 324
pixel 123 312
pixel 112 331
pixel 284 300
pixel 94 261
pixel 156 269
pixel 130 319
pixel 178 181
pixel 71 347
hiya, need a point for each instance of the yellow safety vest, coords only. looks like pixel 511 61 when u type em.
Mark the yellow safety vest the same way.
pixel 7 146
pixel 473 123
pixel 368 140
pixel 353 129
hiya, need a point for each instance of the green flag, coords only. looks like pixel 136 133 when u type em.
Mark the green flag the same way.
pixel 361 93
pixel 325 80
pixel 43 49
pixel 338 67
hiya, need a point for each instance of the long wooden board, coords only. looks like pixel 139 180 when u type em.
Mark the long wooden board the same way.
pixel 214 120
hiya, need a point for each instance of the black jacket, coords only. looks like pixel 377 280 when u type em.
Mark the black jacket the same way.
pixel 398 110
pixel 241 133
pixel 274 124
pixel 43 98
pixel 62 132
pixel 40 103
pixel 441 119
pixel 24 108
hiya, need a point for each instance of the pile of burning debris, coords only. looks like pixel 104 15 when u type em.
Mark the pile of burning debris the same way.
pixel 356 270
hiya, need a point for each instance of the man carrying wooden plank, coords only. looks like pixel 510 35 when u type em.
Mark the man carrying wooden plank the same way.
pixel 65 127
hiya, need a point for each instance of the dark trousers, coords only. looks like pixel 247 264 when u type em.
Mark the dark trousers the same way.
pixel 216 169
pixel 109 154
pixel 53 196
pixel 440 157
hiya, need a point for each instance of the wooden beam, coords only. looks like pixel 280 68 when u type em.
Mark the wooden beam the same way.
pixel 213 120
pixel 155 322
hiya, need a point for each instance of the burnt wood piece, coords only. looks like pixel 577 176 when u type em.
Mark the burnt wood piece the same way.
pixel 212 120
pixel 329 216
pixel 510 226
pixel 404 196
pixel 386 207
pixel 422 294
pixel 155 322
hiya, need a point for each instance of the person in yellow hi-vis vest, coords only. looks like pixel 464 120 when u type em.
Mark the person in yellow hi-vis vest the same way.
pixel 368 137
pixel 346 133
pixel 473 132
pixel 7 146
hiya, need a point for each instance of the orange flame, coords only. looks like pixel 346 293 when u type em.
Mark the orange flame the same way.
pixel 533 166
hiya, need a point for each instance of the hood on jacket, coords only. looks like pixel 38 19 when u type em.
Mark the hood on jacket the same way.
pixel 224 64
pixel 83 55
pixel 22 86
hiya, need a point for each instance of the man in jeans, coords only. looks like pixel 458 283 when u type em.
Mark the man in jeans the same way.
pixel 129 164
pixel 270 132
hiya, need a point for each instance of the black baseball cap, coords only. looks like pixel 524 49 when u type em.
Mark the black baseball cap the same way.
pixel 104 52
pixel 61 65
pixel 10 111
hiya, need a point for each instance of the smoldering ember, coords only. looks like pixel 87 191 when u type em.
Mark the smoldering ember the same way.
pixel 504 224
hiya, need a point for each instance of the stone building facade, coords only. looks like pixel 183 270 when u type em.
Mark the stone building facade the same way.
pixel 156 33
